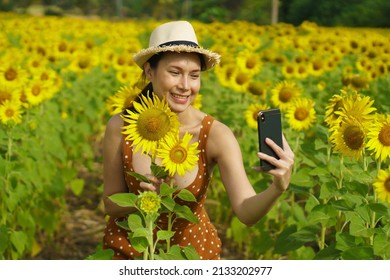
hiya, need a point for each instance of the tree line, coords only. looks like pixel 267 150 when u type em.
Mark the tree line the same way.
pixel 369 13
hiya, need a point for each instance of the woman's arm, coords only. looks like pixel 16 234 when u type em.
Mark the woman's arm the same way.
pixel 113 173
pixel 247 205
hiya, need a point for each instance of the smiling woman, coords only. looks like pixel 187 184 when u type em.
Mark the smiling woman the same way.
pixel 188 150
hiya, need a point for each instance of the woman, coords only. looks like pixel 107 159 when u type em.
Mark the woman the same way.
pixel 173 63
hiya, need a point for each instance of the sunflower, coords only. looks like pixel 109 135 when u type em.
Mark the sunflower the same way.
pixel 301 114
pixel 198 101
pixel 251 114
pixel 12 75
pixel 8 93
pixel 178 155
pixel 35 92
pixel 348 138
pixel 379 138
pixel 149 202
pixel 283 93
pixel 256 89
pixel 121 100
pixel 382 185
pixel 10 111
pixel 151 122
pixel 357 106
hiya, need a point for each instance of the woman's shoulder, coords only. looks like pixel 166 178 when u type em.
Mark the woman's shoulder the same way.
pixel 114 124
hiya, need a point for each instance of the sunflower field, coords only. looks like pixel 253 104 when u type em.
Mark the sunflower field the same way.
pixel 62 78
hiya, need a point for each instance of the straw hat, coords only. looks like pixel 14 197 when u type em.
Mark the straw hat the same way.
pixel 175 36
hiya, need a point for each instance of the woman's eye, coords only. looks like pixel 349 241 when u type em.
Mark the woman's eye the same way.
pixel 175 73
pixel 195 76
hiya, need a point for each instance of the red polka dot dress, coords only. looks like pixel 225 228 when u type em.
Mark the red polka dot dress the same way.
pixel 202 236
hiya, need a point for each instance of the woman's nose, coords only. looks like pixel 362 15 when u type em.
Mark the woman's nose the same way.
pixel 184 83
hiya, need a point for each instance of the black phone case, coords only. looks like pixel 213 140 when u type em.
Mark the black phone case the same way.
pixel 269 125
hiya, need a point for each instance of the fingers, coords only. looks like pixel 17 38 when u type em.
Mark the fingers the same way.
pixel 153 185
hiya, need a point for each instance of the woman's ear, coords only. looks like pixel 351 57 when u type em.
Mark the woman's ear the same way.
pixel 148 70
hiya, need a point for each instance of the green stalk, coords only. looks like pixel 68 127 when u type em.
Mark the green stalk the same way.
pixel 322 238
pixel 150 237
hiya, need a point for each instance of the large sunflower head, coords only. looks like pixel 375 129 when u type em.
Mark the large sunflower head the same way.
pixel 379 138
pixel 301 114
pixel 382 185
pixel 178 155
pixel 151 122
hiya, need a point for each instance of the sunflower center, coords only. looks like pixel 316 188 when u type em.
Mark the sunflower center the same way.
pixel 256 89
pixel 9 113
pixel 285 94
pixel 254 115
pixel 10 74
pixel 353 137
pixel 178 154
pixel 241 79
pixel 387 184
pixel 4 95
pixel 36 90
pixel 153 124
pixel 83 63
pixel 301 114
pixel 384 135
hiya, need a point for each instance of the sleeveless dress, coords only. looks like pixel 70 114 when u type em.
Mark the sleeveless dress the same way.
pixel 202 236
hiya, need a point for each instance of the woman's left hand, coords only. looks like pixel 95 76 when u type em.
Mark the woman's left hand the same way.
pixel 283 166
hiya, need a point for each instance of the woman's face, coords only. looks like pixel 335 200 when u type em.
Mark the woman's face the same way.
pixel 177 78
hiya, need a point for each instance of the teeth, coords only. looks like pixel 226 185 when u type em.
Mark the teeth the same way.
pixel 180 96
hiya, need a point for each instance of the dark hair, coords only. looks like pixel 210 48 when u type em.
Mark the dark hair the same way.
pixel 148 89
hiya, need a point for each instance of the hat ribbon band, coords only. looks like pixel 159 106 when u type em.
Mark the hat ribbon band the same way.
pixel 177 43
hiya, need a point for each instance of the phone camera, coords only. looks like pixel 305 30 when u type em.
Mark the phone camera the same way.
pixel 262 118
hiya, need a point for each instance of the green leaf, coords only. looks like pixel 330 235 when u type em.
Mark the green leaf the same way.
pixel 140 244
pixel 358 228
pixel 175 253
pixel 158 171
pixel 165 234
pixel 381 245
pixel 139 177
pixel 3 239
pixel 186 195
pixel 344 241
pixel 124 199
pixel 358 253
pixel 101 254
pixel 134 221
pixel 123 224
pixel 284 243
pixel 168 202
pixel 380 209
pixel 304 235
pixel 19 240
pixel 191 253
pixel 77 186
pixel 343 205
pixel 183 211
pixel 166 189
pixel 303 178
pixel 329 253
pixel 140 232
pixel 323 214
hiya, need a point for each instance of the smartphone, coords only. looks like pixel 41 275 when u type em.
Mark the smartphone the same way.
pixel 269 124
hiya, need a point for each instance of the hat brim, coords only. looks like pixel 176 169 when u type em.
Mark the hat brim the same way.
pixel 210 58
